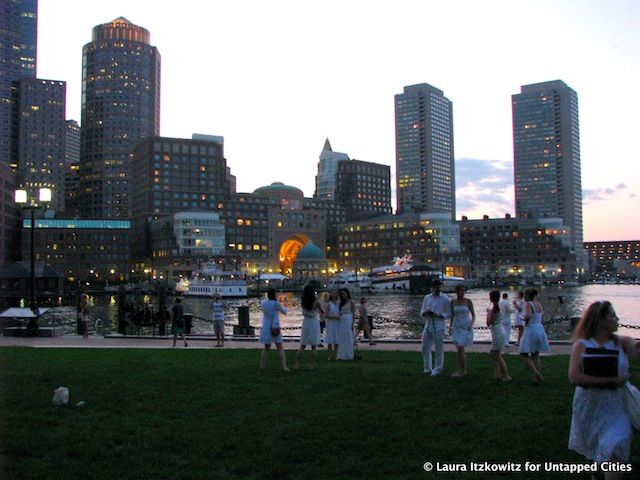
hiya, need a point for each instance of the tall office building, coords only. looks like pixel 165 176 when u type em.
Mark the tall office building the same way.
pixel 363 189
pixel 327 172
pixel 120 107
pixel 425 169
pixel 41 137
pixel 18 35
pixel 546 154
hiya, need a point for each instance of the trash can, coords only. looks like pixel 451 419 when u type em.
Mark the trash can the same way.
pixel 243 328
pixel 188 322
pixel 243 315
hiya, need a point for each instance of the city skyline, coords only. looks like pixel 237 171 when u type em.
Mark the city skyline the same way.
pixel 276 89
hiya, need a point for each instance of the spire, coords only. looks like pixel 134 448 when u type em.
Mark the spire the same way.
pixel 327 145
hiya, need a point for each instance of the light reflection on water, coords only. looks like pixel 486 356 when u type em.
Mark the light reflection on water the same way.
pixel 402 307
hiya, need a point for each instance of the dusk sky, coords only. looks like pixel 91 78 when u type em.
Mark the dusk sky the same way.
pixel 277 78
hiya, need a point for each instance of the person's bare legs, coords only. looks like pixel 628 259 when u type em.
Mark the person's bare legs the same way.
pixel 299 353
pixel 264 356
pixel 314 357
pixel 283 357
pixel 462 362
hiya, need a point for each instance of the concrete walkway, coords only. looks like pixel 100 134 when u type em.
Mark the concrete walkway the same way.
pixel 208 342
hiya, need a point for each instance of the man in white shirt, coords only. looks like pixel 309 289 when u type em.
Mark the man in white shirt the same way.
pixel 436 309
pixel 505 312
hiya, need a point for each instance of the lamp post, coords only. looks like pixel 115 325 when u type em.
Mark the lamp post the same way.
pixel 23 200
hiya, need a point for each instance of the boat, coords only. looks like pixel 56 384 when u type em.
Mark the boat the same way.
pixel 404 277
pixel 210 279
pixel 351 281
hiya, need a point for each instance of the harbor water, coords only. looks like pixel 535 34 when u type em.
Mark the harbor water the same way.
pixel 396 316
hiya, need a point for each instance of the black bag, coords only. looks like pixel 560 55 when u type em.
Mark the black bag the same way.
pixel 275 332
pixel 600 362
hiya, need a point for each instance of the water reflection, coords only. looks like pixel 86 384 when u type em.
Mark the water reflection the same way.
pixel 556 301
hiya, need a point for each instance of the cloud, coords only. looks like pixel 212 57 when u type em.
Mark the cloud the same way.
pixel 590 195
pixel 483 187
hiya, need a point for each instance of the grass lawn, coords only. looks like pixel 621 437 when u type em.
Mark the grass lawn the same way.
pixel 209 414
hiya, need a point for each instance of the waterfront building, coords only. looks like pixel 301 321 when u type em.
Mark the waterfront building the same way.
pixel 617 258
pixel 95 251
pixel 18 48
pixel 376 241
pixel 42 132
pixel 182 241
pixel 425 167
pixel 546 155
pixel 72 145
pixel 518 249
pixel 326 179
pixel 120 107
pixel 310 264
pixel 15 285
pixel 175 175
pixel 363 189
pixel 8 215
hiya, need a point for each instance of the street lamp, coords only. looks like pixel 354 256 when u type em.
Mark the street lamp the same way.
pixel 23 200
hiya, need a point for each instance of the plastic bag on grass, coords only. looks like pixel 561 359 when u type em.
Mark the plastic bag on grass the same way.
pixel 60 396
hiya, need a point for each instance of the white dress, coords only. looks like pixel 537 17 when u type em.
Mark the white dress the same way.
pixel 345 335
pixel 462 326
pixel 518 321
pixel 534 338
pixel 271 319
pixel 600 426
pixel 310 333
pixel 497 333
pixel 331 328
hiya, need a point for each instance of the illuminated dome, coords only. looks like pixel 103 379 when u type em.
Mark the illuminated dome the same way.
pixel 310 252
pixel 280 190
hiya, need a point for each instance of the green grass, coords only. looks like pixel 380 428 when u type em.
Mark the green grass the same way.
pixel 209 414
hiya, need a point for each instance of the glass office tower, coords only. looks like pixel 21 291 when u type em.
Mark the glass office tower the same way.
pixel 120 107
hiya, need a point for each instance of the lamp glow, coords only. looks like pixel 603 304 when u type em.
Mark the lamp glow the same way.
pixel 21 196
pixel 44 195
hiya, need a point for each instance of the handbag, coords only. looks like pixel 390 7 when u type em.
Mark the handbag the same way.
pixel 631 399
pixel 275 332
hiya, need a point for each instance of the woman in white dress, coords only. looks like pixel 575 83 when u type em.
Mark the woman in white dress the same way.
pixel 310 333
pixel 600 426
pixel 345 336
pixel 270 333
pixel 332 327
pixel 534 338
pixel 461 326
pixel 496 324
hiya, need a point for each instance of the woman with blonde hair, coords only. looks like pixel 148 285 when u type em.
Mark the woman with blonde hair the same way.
pixel 600 426
pixel 534 338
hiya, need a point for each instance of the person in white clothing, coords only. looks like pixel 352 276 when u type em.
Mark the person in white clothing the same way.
pixel 436 309
pixel 505 313
pixel 518 321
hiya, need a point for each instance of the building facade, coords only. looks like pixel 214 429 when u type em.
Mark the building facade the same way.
pixel 546 155
pixel 614 259
pixel 18 46
pixel 8 216
pixel 518 249
pixel 425 167
pixel 42 135
pixel 326 179
pixel 82 250
pixel 120 107
pixel 363 189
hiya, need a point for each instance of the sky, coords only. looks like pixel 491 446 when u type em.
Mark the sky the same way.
pixel 277 78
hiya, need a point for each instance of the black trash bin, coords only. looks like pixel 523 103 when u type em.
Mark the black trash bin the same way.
pixel 188 322
pixel 243 328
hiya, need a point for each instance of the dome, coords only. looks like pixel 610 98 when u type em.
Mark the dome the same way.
pixel 279 190
pixel 310 252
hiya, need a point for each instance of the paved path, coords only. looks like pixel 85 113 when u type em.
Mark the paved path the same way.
pixel 207 342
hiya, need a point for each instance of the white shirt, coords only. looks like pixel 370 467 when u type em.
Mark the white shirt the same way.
pixel 441 306
pixel 505 310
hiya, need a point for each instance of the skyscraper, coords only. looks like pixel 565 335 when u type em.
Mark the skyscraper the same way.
pixel 120 107
pixel 41 137
pixel 18 34
pixel 546 154
pixel 425 169
pixel 327 172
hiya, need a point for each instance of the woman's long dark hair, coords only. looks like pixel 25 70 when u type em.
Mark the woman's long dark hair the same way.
pixel 494 296
pixel 308 297
pixel 271 294
pixel 342 300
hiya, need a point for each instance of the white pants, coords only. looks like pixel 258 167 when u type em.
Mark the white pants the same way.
pixel 507 332
pixel 431 335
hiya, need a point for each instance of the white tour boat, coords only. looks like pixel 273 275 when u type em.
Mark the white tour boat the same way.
pixel 405 277
pixel 210 279
pixel 351 281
